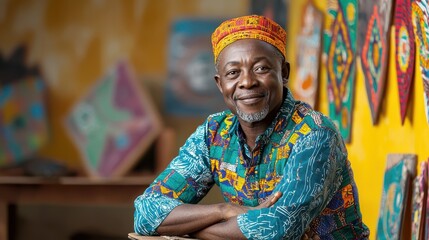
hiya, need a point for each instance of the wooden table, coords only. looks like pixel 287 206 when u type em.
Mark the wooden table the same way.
pixel 66 190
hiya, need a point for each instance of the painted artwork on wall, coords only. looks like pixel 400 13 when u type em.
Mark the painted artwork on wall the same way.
pixel 23 117
pixel 405 52
pixel 340 51
pixel 420 12
pixel 190 89
pixel 426 214
pixel 273 9
pixel 418 201
pixel 305 84
pixel 374 22
pixel 114 124
pixel 400 170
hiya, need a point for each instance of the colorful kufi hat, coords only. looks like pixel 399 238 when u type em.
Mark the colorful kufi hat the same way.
pixel 248 27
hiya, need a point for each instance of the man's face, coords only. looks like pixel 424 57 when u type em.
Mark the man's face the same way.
pixel 250 77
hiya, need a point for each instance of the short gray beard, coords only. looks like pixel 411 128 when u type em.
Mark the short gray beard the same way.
pixel 253 117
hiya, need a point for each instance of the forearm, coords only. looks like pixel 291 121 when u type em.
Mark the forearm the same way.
pixel 223 230
pixel 188 218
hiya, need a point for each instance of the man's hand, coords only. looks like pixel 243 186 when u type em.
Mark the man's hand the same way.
pixel 273 198
pixel 310 235
pixel 207 219
pixel 231 210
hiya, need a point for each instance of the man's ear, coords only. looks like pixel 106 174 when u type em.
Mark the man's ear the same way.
pixel 218 82
pixel 285 71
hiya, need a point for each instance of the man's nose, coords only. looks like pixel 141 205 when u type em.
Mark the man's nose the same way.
pixel 248 80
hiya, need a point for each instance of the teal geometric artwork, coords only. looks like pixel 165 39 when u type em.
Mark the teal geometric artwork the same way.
pixel 340 51
pixel 399 172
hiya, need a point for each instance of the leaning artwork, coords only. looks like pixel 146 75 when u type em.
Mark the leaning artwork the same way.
pixel 190 89
pixel 400 170
pixel 339 53
pixel 418 205
pixel 24 127
pixel 113 124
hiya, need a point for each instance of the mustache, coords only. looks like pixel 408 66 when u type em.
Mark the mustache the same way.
pixel 247 95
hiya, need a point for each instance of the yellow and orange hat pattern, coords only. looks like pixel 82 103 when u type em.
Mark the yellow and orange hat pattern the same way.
pixel 248 27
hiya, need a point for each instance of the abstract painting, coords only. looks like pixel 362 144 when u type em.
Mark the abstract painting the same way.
pixel 273 9
pixel 114 124
pixel 418 211
pixel 405 52
pixel 426 215
pixel 190 89
pixel 305 84
pixel 374 22
pixel 400 170
pixel 23 120
pixel 420 12
pixel 340 50
pixel 23 117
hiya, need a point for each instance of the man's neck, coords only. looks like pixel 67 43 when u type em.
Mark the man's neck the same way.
pixel 252 130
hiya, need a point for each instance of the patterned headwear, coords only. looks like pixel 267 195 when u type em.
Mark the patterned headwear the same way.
pixel 248 27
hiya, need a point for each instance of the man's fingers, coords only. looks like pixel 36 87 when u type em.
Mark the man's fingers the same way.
pixel 270 200
pixel 275 197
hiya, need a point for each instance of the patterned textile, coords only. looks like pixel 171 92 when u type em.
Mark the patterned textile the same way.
pixel 248 27
pixel 301 154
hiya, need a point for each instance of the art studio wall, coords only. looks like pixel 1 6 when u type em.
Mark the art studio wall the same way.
pixel 370 143
pixel 75 43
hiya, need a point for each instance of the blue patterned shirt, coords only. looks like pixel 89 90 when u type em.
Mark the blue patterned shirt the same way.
pixel 301 155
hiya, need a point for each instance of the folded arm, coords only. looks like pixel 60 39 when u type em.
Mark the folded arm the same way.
pixel 186 180
pixel 311 177
pixel 216 221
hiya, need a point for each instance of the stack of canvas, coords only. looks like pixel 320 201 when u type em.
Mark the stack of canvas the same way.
pixel 403 212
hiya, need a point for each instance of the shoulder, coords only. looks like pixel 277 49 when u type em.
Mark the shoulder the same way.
pixel 315 120
pixel 314 124
pixel 223 120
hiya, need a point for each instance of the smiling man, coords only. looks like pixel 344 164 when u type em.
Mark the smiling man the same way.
pixel 281 166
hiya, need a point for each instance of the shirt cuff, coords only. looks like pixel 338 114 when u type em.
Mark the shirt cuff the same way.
pixel 150 212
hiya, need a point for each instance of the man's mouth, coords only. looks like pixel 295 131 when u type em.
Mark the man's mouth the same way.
pixel 250 98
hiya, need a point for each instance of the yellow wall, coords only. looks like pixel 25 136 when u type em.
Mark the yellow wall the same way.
pixel 370 144
pixel 76 41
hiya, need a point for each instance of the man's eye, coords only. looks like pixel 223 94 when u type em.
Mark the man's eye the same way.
pixel 231 73
pixel 261 69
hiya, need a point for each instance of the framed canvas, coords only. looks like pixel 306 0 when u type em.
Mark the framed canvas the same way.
pixel 374 33
pixel 418 203
pixel 113 124
pixel 23 119
pixel 309 40
pixel 24 125
pixel 404 52
pixel 340 52
pixel 426 214
pixel 420 13
pixel 273 9
pixel 190 89
pixel 399 172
